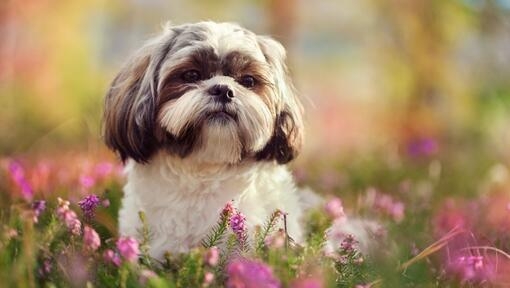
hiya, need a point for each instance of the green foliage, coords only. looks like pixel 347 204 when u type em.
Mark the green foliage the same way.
pixel 215 237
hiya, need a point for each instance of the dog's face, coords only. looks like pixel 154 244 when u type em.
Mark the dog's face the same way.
pixel 215 93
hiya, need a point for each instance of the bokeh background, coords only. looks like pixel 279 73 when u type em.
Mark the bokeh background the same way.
pixel 391 76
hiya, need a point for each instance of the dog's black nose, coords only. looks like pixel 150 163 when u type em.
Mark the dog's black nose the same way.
pixel 222 92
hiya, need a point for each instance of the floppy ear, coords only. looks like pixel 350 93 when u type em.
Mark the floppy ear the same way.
pixel 287 138
pixel 130 105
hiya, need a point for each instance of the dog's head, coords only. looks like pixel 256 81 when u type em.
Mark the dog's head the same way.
pixel 214 92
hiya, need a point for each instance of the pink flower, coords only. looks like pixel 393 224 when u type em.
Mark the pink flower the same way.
pixel 38 207
pixel 45 269
pixel 105 203
pixel 87 182
pixel 277 240
pixel 389 206
pixel 68 216
pixel 238 226
pixel 308 283
pixel 212 256
pixel 145 276
pixel 349 244
pixel 111 257
pixel 208 278
pixel 334 208
pixel 228 209
pixel 397 211
pixel 103 169
pixel 244 273
pixel 91 239
pixel 472 268
pixel 128 248
pixel 17 173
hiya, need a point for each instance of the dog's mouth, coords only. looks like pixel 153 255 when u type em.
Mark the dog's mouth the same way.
pixel 222 115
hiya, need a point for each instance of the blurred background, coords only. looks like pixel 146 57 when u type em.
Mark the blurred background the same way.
pixel 407 111
pixel 399 79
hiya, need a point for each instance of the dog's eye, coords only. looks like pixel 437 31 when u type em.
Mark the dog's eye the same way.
pixel 191 76
pixel 247 81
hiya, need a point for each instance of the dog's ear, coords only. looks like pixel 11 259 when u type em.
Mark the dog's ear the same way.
pixel 287 138
pixel 130 105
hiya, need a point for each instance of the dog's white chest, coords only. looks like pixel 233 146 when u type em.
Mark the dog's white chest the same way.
pixel 182 208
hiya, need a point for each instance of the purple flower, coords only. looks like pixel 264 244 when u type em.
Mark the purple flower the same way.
pixel 422 146
pixel 88 205
pixel 128 248
pixel 334 208
pixel 38 207
pixel 250 274
pixel 472 268
pixel 91 239
pixel 68 216
pixel 348 244
pixel 17 173
pixel 212 256
pixel 111 257
pixel 45 269
pixel 238 226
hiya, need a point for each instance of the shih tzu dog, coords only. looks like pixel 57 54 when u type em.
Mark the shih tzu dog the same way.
pixel 203 114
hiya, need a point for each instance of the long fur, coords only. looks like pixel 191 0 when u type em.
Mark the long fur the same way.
pixel 182 202
pixel 186 152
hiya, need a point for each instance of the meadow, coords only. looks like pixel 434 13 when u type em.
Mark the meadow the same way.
pixel 407 118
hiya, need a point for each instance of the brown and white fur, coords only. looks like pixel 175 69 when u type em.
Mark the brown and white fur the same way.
pixel 203 114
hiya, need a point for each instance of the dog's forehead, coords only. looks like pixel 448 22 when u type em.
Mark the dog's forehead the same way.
pixel 221 38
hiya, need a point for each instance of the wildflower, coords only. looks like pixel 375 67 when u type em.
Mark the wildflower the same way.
pixel 422 146
pixel 17 173
pixel 238 225
pixel 74 268
pixel 9 233
pixel 145 276
pixel 45 269
pixel 38 207
pixel 91 239
pixel 396 210
pixel 128 248
pixel 228 210
pixel 208 279
pixel 314 282
pixel 277 240
pixel 348 244
pixel 111 257
pixel 334 208
pixel 105 203
pixel 471 268
pixel 389 206
pixel 212 256
pixel 250 274
pixel 88 205
pixel 103 169
pixel 68 216
pixel 87 182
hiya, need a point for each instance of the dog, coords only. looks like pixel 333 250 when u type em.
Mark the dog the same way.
pixel 204 114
